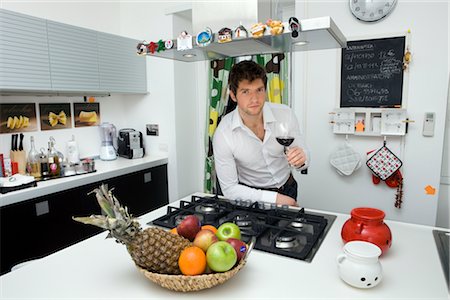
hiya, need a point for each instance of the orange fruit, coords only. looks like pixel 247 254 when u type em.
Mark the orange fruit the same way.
pixel 210 227
pixel 174 230
pixel 192 261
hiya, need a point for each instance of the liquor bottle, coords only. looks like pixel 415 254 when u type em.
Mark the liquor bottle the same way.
pixel 33 163
pixel 44 164
pixel 53 161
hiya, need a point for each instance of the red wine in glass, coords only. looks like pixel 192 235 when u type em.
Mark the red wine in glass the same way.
pixel 286 141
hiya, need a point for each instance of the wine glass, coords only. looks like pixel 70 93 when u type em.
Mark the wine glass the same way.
pixel 283 136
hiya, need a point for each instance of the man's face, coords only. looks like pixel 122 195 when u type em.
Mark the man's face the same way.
pixel 250 96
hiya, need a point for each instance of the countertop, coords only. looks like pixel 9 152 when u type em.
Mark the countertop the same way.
pixel 100 268
pixel 105 170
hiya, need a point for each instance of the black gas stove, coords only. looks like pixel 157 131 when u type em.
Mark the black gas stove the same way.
pixel 278 229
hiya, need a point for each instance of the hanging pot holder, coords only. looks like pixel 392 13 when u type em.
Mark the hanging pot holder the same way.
pixel 345 159
pixel 384 163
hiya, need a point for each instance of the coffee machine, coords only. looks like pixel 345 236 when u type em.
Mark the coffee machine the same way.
pixel 108 135
pixel 130 143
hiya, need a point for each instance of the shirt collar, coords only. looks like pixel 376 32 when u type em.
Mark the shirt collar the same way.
pixel 267 117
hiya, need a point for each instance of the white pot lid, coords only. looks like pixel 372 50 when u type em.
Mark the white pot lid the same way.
pixel 362 249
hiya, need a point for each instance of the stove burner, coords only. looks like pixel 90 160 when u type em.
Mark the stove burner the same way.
pixel 286 242
pixel 179 219
pixel 243 221
pixel 206 208
pixel 297 223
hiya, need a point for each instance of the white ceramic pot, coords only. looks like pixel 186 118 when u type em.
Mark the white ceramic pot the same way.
pixel 359 266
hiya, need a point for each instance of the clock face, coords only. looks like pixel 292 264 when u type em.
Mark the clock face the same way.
pixel 371 10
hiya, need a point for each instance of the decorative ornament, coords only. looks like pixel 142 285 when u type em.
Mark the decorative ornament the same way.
pixel 152 47
pixel 257 30
pixel 224 35
pixel 184 41
pixel 204 37
pixel 276 27
pixel 294 25
pixel 168 44
pixel 161 46
pixel 141 48
pixel 240 32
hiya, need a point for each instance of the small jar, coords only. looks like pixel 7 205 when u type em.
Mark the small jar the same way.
pixel 366 224
pixel 359 265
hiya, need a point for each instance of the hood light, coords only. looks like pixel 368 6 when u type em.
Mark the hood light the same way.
pixel 301 43
pixel 189 55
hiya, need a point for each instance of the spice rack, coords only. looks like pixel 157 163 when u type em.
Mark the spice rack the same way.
pixel 370 121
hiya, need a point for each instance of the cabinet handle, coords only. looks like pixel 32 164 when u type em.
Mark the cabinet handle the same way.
pixel 147 177
pixel 42 208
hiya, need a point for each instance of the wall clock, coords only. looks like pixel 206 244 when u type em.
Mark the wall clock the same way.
pixel 371 10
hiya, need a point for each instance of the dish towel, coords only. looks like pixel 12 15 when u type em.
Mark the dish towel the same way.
pixel 345 159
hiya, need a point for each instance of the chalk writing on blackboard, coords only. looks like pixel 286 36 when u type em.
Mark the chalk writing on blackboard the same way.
pixel 372 73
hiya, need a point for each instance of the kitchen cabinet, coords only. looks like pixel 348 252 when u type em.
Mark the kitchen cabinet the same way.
pixel 24 61
pixel 127 73
pixel 73 57
pixel 40 226
pixel 45 57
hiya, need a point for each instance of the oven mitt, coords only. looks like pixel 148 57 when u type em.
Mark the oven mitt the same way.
pixel 345 159
pixel 383 163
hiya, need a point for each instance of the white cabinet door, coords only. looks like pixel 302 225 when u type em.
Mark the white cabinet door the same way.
pixel 73 57
pixel 121 69
pixel 24 62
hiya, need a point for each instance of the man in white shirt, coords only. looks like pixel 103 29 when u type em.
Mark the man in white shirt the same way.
pixel 250 163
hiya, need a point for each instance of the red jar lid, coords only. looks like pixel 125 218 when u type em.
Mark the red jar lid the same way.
pixel 368 213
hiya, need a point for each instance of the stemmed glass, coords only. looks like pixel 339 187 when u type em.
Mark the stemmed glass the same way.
pixel 283 136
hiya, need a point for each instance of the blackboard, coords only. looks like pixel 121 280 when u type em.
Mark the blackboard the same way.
pixel 372 73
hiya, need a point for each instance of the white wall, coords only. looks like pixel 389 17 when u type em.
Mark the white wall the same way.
pixel 317 83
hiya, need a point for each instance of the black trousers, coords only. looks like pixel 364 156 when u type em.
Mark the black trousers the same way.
pixel 288 189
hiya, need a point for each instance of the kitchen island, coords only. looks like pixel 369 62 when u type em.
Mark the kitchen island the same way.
pixel 99 268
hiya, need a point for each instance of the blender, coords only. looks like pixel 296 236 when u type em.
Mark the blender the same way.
pixel 108 134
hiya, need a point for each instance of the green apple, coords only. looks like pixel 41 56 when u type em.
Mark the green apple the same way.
pixel 228 230
pixel 221 256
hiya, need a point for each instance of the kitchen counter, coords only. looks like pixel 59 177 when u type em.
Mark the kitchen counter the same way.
pixel 105 170
pixel 102 269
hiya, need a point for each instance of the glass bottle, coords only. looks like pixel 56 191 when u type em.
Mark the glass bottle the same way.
pixel 54 164
pixel 33 163
pixel 44 164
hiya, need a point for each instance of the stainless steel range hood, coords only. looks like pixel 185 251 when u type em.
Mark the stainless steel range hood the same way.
pixel 316 34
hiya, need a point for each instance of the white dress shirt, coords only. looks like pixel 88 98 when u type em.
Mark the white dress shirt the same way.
pixel 241 157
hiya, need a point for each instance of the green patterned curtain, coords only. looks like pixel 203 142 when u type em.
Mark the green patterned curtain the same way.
pixel 277 68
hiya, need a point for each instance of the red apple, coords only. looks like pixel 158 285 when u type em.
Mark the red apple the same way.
pixel 239 246
pixel 189 227
pixel 204 239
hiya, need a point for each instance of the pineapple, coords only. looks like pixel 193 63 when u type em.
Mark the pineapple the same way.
pixel 153 249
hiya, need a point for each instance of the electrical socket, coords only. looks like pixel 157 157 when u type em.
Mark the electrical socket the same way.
pixel 152 129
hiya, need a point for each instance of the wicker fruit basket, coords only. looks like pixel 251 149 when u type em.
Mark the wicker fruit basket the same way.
pixel 183 283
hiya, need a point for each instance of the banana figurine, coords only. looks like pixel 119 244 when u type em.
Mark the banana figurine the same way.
pixel 15 122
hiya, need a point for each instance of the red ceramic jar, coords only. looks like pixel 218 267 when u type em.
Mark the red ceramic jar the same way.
pixel 366 224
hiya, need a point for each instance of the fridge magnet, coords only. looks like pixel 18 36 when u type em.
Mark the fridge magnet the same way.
pixel 168 44
pixel 141 48
pixel 429 190
pixel 204 37
pixel 224 35
pixel 240 32
pixel 184 41
pixel 276 27
pixel 86 114
pixel 55 116
pixel 17 117
pixel 257 30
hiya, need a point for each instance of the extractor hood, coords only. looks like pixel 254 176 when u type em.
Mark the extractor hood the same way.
pixel 315 34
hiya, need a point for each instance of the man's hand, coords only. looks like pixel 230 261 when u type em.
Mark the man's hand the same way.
pixel 296 157
pixel 285 200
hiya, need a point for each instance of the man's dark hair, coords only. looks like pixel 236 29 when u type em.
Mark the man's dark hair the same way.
pixel 246 70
